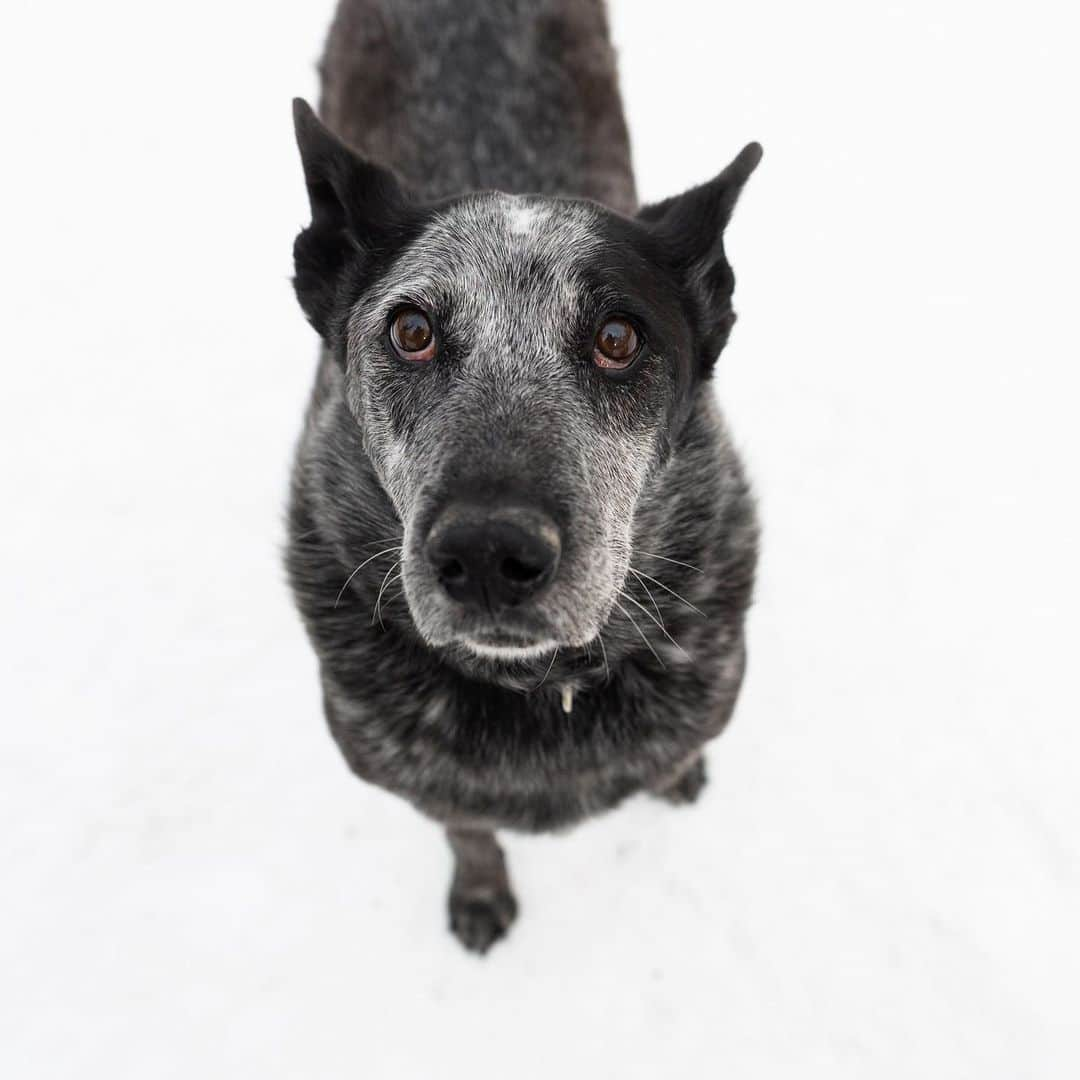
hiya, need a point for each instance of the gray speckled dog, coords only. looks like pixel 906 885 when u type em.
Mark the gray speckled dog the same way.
pixel 519 536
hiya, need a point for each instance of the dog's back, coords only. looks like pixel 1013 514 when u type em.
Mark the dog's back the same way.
pixel 461 95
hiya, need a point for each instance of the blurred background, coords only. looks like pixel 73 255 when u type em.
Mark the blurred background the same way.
pixel 883 877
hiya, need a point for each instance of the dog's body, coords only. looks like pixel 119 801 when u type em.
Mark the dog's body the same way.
pixel 607 674
pixel 514 96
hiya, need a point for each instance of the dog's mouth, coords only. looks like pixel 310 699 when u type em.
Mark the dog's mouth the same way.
pixel 498 585
pixel 507 648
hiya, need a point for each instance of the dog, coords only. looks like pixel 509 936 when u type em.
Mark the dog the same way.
pixel 519 537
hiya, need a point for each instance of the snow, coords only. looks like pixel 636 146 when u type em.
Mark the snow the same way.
pixel 883 877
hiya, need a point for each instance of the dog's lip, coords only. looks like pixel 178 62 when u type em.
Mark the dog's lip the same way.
pixel 510 630
pixel 500 637
pixel 507 647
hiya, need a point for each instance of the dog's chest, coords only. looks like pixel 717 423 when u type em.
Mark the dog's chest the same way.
pixel 526 761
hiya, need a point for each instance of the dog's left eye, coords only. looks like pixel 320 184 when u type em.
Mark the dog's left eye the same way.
pixel 617 344
pixel 412 334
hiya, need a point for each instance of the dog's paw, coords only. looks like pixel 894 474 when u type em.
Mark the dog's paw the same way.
pixel 479 920
pixel 688 788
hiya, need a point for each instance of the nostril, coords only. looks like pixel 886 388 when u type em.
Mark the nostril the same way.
pixel 453 572
pixel 519 572
pixel 495 557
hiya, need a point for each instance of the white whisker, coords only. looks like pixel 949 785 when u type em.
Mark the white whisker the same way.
pixel 603 653
pixel 664 558
pixel 554 657
pixel 649 614
pixel 648 643
pixel 384 540
pixel 669 589
pixel 348 580
pixel 382 588
pixel 648 593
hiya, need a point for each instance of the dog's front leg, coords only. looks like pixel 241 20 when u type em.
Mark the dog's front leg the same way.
pixel 482 904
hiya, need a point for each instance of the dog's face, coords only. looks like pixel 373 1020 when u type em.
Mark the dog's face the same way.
pixel 518 366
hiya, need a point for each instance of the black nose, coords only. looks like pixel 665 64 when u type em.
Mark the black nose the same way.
pixel 493 557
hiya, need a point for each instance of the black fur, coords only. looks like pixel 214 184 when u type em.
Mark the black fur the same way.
pixel 639 461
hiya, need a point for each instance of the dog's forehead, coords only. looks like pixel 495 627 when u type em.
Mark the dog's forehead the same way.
pixel 489 246
pixel 489 255
pixel 514 225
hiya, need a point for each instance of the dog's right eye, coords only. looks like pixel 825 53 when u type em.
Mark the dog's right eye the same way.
pixel 412 335
pixel 617 344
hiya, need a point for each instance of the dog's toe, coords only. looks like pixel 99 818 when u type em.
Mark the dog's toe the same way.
pixel 688 787
pixel 479 921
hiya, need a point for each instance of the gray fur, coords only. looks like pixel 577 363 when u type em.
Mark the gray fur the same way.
pixel 471 262
pixel 468 95
pixel 642 630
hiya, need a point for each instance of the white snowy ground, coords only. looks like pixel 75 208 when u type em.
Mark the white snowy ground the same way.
pixel 884 878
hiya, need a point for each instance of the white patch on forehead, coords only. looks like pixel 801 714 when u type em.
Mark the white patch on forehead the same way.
pixel 488 261
pixel 523 218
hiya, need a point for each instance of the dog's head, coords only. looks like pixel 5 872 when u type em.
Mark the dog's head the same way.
pixel 518 367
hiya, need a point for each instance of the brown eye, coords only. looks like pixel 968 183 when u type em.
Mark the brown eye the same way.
pixel 616 344
pixel 412 335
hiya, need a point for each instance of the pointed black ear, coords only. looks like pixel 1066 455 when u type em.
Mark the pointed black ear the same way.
pixel 358 212
pixel 690 228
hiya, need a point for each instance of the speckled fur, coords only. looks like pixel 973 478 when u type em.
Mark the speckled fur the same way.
pixel 463 95
pixel 513 223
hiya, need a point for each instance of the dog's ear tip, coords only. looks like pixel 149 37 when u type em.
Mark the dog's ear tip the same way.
pixel 304 118
pixel 301 109
pixel 749 157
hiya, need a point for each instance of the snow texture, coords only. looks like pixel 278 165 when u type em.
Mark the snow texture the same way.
pixel 883 877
